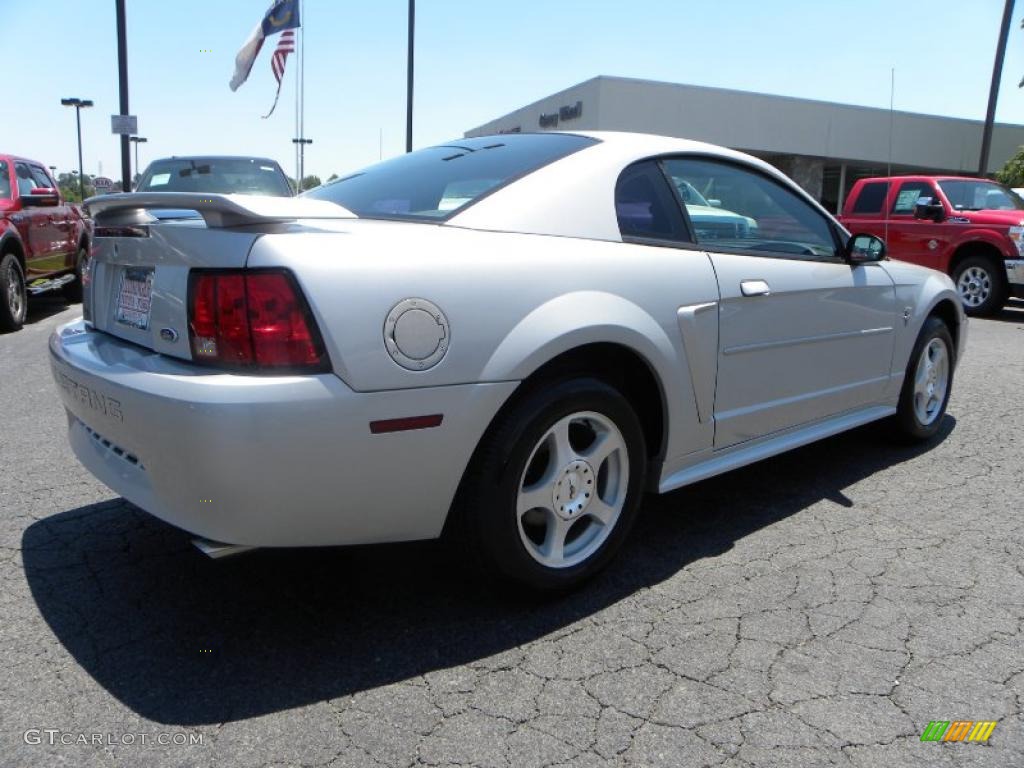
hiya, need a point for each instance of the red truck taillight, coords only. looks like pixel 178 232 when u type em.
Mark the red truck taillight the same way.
pixel 252 319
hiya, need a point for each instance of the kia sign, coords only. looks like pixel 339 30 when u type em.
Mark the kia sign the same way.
pixel 126 125
pixel 102 183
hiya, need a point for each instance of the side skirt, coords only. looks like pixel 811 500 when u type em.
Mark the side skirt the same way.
pixel 739 456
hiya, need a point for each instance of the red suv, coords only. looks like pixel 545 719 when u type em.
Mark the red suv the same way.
pixel 971 229
pixel 44 240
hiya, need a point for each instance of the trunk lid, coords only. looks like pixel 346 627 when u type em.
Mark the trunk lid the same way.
pixel 137 276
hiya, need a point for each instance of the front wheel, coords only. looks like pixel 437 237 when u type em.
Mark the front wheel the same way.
pixel 927 383
pixel 13 296
pixel 555 485
pixel 981 284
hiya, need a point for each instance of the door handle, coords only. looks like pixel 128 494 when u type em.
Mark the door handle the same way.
pixel 755 288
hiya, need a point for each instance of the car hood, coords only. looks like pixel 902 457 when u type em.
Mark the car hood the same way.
pixel 988 218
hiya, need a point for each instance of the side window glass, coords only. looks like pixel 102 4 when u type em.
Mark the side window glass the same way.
pixel 737 208
pixel 25 181
pixel 645 206
pixel 40 177
pixel 908 194
pixel 871 197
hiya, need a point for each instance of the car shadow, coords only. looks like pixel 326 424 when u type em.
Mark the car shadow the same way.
pixel 42 307
pixel 1012 311
pixel 181 639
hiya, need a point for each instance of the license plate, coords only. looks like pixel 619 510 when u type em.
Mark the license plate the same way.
pixel 134 297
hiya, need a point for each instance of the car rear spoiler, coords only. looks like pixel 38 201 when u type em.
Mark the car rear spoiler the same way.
pixel 217 210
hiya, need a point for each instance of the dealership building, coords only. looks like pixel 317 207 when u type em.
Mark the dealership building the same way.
pixel 823 146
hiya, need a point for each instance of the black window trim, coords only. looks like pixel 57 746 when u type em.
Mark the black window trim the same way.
pixel 591 142
pixel 837 256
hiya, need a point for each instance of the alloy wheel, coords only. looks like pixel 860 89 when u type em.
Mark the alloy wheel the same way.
pixel 15 291
pixel 572 490
pixel 974 286
pixel 931 381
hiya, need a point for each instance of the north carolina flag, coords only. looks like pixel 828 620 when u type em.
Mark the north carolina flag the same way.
pixel 282 15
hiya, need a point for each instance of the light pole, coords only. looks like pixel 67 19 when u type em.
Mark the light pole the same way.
pixel 79 104
pixel 408 76
pixel 136 140
pixel 302 161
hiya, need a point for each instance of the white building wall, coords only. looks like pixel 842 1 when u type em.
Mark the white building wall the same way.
pixel 770 124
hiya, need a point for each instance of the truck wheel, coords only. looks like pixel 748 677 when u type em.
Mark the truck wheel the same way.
pixel 73 290
pixel 13 296
pixel 926 384
pixel 554 486
pixel 981 283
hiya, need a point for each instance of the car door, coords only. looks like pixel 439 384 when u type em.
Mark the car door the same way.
pixel 919 241
pixel 61 223
pixel 37 229
pixel 803 335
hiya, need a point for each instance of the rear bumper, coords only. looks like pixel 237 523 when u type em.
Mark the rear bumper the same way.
pixel 264 461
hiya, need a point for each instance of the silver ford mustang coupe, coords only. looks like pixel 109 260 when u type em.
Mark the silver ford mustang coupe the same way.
pixel 507 339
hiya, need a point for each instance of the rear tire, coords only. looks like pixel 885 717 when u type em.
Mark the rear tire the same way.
pixel 981 283
pixel 73 290
pixel 926 385
pixel 13 295
pixel 554 486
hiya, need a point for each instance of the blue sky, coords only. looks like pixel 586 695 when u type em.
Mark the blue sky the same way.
pixel 475 60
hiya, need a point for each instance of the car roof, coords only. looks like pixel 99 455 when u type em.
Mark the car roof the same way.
pixel 574 195
pixel 17 159
pixel 922 177
pixel 215 157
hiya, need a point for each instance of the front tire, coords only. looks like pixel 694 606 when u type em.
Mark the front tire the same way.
pixel 982 286
pixel 927 384
pixel 554 486
pixel 13 295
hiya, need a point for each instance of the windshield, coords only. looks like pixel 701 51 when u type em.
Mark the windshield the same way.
pixel 220 175
pixel 969 195
pixel 435 183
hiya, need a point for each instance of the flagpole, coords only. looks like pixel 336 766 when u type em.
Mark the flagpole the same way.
pixel 298 131
pixel 302 97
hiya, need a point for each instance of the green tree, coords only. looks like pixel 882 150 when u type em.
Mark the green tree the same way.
pixel 1012 174
pixel 309 182
pixel 332 177
pixel 68 183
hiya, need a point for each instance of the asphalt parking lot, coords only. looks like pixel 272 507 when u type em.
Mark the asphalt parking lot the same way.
pixel 820 608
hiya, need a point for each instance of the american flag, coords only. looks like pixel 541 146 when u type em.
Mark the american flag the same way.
pixel 285 45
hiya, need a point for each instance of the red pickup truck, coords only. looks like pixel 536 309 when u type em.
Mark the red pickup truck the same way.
pixel 44 240
pixel 971 229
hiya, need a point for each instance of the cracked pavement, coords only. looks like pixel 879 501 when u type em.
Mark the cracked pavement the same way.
pixel 817 609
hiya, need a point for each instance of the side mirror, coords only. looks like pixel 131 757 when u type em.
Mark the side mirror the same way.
pixel 715 203
pixel 41 197
pixel 863 249
pixel 929 208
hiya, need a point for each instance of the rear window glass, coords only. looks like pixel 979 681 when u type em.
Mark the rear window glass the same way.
pixel 224 175
pixel 871 197
pixel 5 180
pixel 435 183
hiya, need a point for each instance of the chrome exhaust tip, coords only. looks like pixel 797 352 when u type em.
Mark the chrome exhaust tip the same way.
pixel 218 549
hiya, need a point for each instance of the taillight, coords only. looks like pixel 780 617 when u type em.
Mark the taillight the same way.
pixel 252 319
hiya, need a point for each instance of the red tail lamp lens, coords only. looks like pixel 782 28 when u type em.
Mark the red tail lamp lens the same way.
pixel 252 319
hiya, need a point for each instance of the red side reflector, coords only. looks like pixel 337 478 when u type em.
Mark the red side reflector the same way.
pixel 409 422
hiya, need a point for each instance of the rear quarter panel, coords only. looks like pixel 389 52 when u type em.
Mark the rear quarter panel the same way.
pixel 512 301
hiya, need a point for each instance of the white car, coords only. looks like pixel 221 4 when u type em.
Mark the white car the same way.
pixel 507 339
